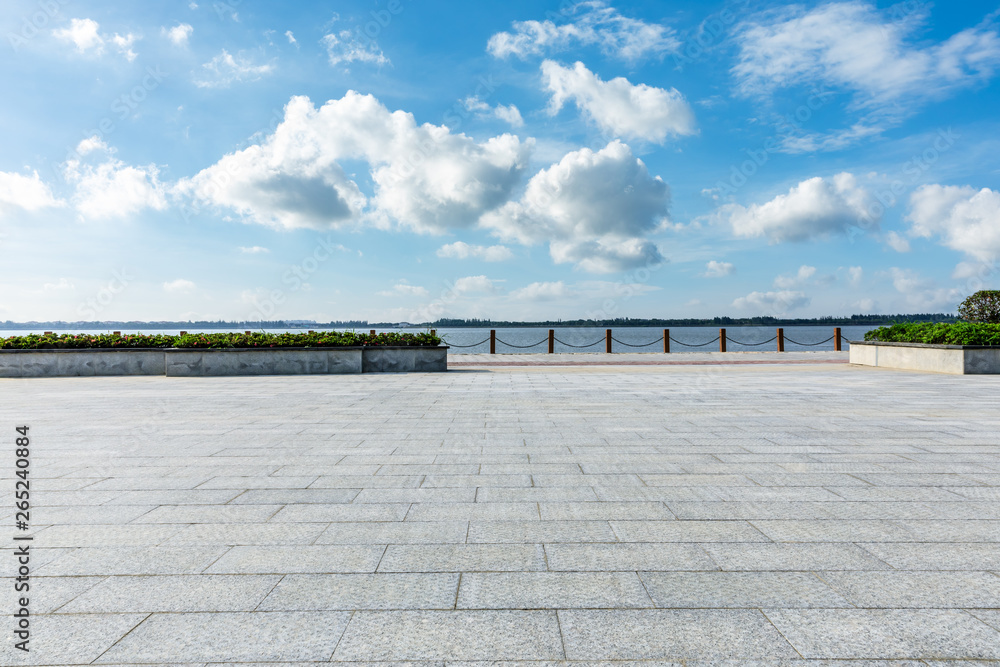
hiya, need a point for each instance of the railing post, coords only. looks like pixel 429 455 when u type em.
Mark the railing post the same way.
pixel 666 341
pixel 722 340
pixel 607 341
pixel 434 332
pixel 836 339
pixel 373 332
pixel 493 341
pixel 552 341
pixel 781 339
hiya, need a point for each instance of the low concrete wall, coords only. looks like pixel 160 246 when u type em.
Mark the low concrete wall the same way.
pixel 187 362
pixel 80 363
pixel 951 359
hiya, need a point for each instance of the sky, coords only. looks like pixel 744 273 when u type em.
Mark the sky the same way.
pixel 399 160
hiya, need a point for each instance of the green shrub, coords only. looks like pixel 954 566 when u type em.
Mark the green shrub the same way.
pixel 217 340
pixel 983 306
pixel 958 333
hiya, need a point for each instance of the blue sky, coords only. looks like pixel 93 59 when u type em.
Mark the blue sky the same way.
pixel 404 161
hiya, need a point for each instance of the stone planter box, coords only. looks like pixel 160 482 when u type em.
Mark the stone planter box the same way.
pixel 953 359
pixel 186 362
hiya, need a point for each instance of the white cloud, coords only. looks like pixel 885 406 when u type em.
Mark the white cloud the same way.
pixel 225 69
pixel 404 289
pixel 345 47
pixel 124 45
pixel 617 106
pixel 922 293
pixel 25 192
pixel 254 250
pixel 884 62
pixel 716 269
pixel 509 114
pixel 83 34
pixel 963 218
pixel 589 23
pixel 179 34
pixel 179 286
pixel 772 303
pixel 788 282
pixel 542 292
pixel 592 208
pixel 474 285
pixel 814 208
pixel 897 242
pixel 291 37
pixel 112 189
pixel 462 250
pixel 425 178
pixel 854 275
pixel 851 45
pixel 64 284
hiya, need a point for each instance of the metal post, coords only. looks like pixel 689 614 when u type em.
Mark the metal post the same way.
pixel 666 341
pixel 607 341
pixel 722 340
pixel 373 332
pixel 781 339
pixel 552 341
pixel 493 341
pixel 836 338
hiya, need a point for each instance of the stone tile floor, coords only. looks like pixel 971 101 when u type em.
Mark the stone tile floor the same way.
pixel 775 513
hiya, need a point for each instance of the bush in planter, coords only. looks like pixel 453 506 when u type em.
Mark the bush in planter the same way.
pixel 217 340
pixel 983 306
pixel 958 333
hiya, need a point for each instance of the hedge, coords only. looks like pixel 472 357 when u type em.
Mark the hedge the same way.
pixel 958 333
pixel 216 340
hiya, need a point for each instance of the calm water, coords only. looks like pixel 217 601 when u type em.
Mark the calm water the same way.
pixel 647 339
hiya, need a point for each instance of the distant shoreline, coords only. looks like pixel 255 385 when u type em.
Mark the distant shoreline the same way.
pixel 853 320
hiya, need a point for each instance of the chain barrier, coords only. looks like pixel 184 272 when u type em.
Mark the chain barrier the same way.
pixel 715 340
pixel 578 346
pixel 789 340
pixel 621 342
pixel 523 347
pixel 752 344
pixel 473 345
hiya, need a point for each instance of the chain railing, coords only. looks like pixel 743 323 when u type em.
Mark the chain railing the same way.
pixel 665 339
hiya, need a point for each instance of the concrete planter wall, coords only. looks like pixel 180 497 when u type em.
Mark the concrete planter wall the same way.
pixel 186 362
pixel 953 359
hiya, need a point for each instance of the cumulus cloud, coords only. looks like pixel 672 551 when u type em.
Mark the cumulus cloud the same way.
pixel 590 23
pixel 254 250
pixel 509 114
pixel 425 178
pixel 474 285
pixel 83 34
pixel 543 291
pixel 961 217
pixel 462 250
pixel 291 37
pixel 63 284
pixel 179 34
pixel 814 208
pixel 179 286
pixel 593 208
pixel 923 293
pixel 25 192
pixel 344 47
pixel 112 189
pixel 226 69
pixel 716 269
pixel 405 289
pixel 854 275
pixel 774 303
pixel 897 242
pixel 788 282
pixel 617 106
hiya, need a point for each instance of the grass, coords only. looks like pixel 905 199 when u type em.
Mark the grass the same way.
pixel 217 340
pixel 958 333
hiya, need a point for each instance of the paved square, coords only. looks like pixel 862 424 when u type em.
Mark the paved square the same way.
pixel 760 513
